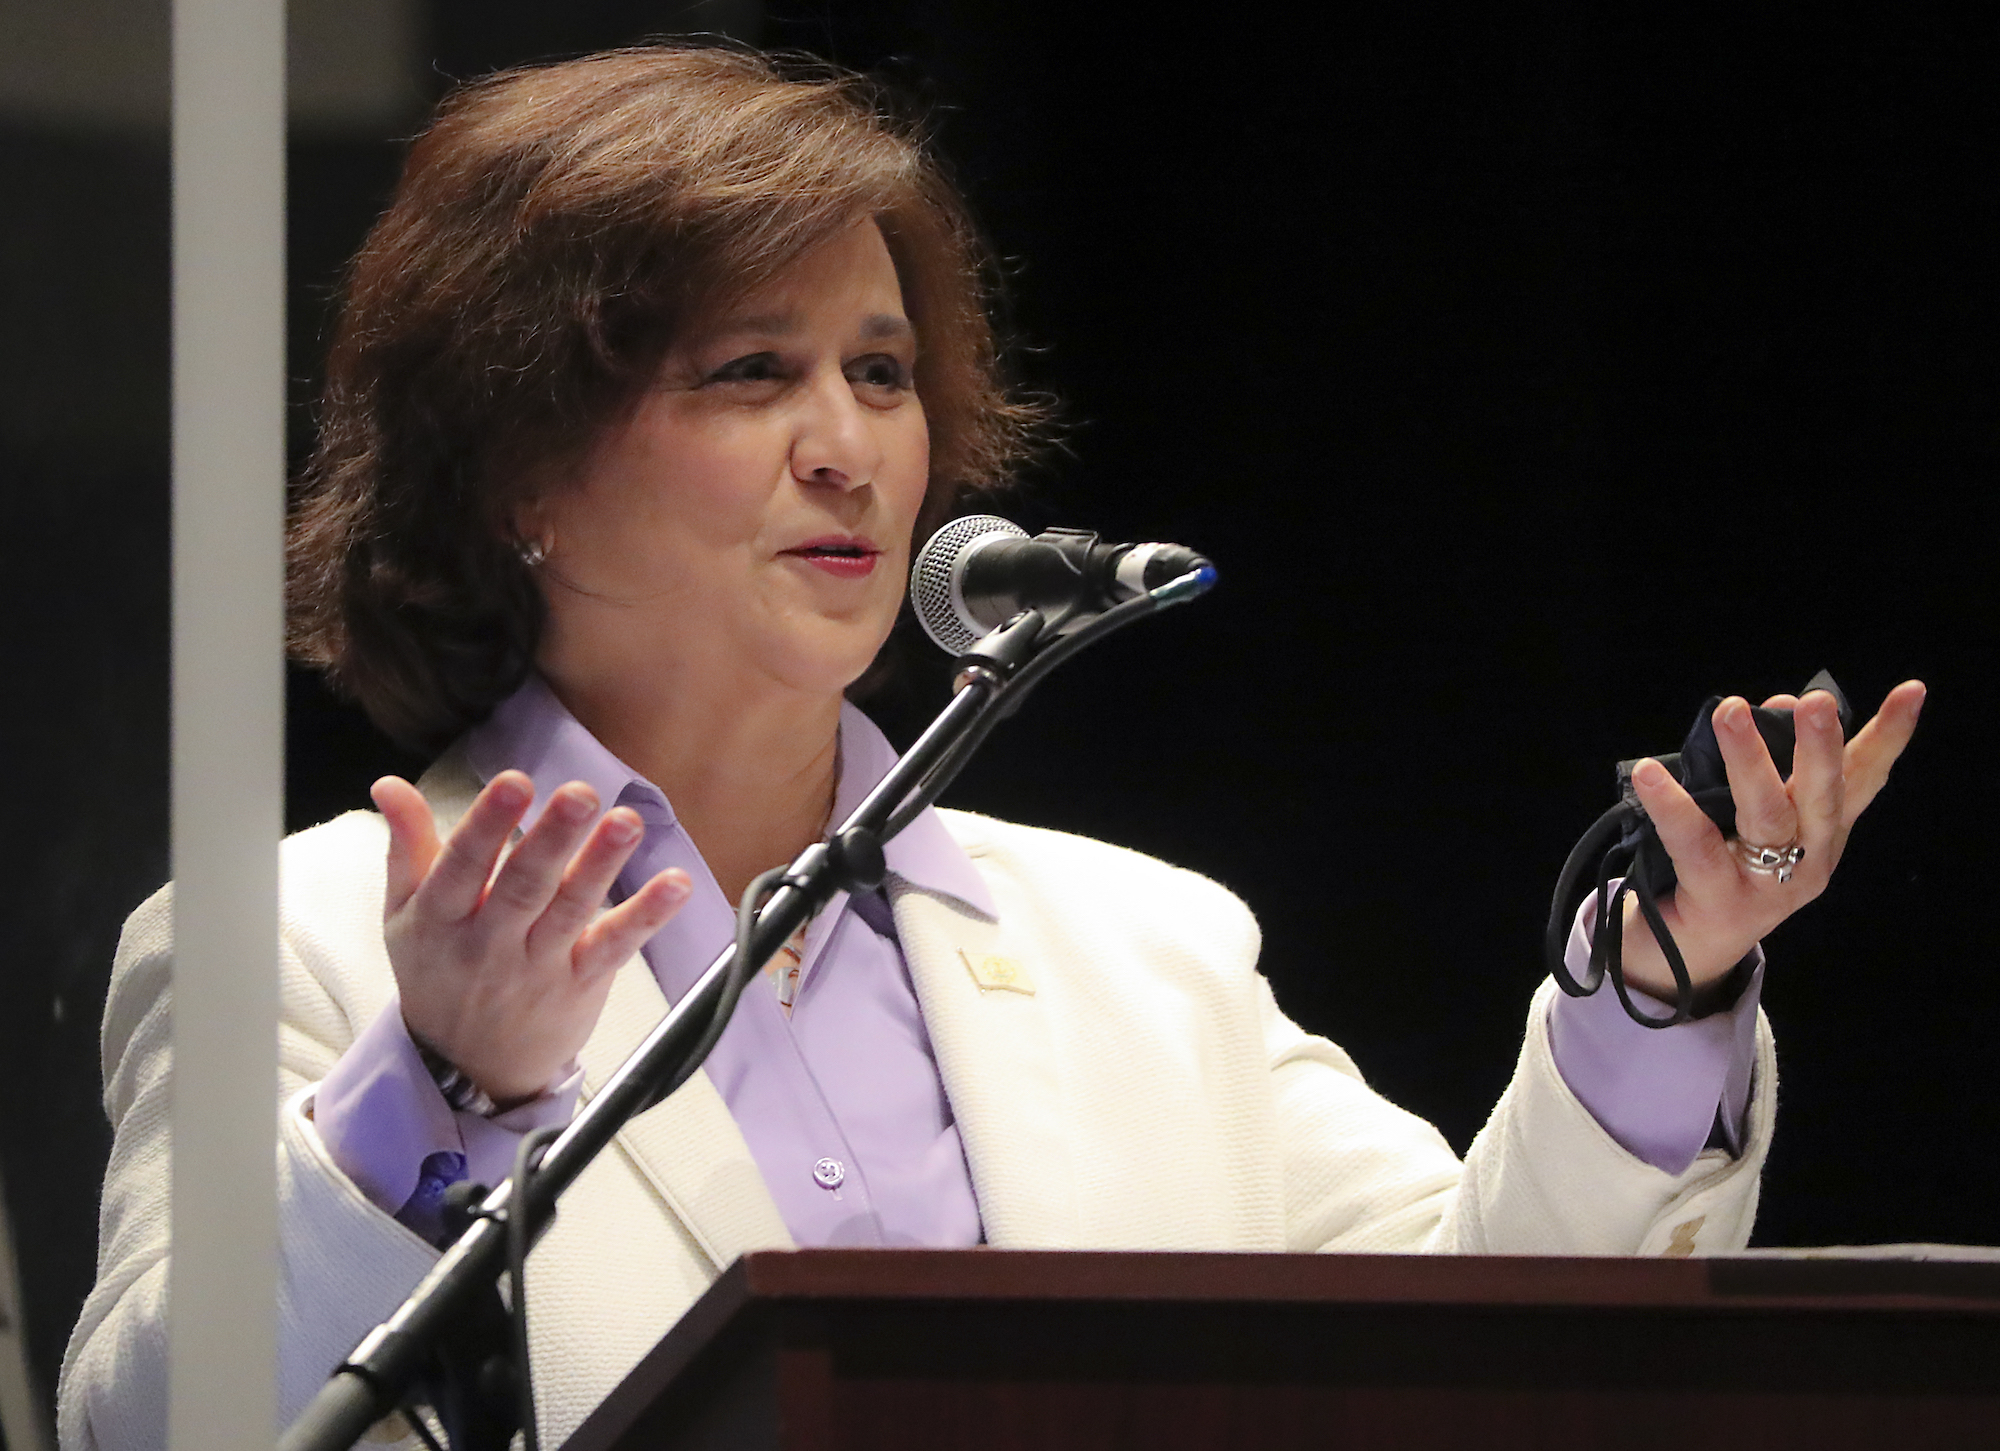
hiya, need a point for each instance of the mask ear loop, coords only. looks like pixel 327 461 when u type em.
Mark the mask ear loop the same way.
pixel 1637 884
pixel 1617 841
pixel 1604 833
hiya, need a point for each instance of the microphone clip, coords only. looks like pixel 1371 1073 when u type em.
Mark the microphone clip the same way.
pixel 996 655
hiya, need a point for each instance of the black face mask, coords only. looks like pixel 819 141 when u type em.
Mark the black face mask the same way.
pixel 1624 842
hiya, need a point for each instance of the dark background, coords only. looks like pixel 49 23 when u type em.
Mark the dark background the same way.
pixel 1530 376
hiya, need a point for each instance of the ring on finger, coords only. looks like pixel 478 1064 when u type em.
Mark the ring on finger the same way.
pixel 1768 861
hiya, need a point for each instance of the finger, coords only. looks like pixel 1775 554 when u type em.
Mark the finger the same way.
pixel 609 941
pixel 1701 857
pixel 1818 778
pixel 527 882
pixel 457 881
pixel 1782 702
pixel 1763 809
pixel 586 881
pixel 413 839
pixel 1870 754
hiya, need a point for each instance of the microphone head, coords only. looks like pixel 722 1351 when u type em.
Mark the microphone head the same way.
pixel 937 579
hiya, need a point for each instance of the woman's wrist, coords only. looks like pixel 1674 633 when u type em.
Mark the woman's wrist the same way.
pixel 1646 970
pixel 464 1095
pixel 459 1088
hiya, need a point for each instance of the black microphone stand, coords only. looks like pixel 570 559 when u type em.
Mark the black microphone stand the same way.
pixel 451 1336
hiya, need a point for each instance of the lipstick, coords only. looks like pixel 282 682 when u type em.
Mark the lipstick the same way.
pixel 842 556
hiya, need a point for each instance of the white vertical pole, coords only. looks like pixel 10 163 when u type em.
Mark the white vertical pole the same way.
pixel 228 450
pixel 21 1424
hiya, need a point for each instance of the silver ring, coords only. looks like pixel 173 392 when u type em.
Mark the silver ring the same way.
pixel 1768 861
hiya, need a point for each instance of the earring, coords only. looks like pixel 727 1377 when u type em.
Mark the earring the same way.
pixel 533 551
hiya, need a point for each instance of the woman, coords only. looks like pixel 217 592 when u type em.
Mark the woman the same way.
pixel 643 387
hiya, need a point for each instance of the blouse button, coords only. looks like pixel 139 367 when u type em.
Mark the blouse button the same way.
pixel 828 1173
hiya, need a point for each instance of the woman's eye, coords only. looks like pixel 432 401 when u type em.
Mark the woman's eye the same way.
pixel 751 368
pixel 879 370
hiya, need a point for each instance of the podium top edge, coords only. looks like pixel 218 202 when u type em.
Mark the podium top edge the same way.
pixel 1818 1282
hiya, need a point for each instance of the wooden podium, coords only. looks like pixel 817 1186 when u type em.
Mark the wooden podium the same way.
pixel 825 1350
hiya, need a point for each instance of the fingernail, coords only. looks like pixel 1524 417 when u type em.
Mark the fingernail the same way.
pixel 1650 773
pixel 512 790
pixel 620 829
pixel 675 886
pixel 1736 713
pixel 572 806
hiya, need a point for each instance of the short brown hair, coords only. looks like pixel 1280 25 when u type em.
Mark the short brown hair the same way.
pixel 552 229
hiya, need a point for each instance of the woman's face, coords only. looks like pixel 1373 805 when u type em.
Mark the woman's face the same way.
pixel 755 509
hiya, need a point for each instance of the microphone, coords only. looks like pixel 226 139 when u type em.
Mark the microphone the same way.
pixel 978 572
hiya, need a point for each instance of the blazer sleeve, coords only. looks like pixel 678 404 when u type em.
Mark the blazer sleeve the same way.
pixel 1542 1177
pixel 343 1266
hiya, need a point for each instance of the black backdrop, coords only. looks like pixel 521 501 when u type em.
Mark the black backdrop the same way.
pixel 1530 375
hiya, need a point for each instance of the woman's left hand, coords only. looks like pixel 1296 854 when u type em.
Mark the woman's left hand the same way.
pixel 1720 908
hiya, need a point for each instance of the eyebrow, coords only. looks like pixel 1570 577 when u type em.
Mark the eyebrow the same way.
pixel 783 324
pixel 887 325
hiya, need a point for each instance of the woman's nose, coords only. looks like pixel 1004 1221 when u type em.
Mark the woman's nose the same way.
pixel 834 444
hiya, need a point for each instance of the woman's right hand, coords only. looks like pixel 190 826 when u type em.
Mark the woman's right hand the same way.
pixel 505 973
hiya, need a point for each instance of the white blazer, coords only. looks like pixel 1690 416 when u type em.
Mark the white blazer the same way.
pixel 1134 1086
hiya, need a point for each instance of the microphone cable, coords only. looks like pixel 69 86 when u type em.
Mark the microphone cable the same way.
pixel 528 1155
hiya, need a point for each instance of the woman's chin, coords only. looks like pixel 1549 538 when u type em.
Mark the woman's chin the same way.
pixel 826 662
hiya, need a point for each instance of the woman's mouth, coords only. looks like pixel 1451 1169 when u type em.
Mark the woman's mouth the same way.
pixel 841 558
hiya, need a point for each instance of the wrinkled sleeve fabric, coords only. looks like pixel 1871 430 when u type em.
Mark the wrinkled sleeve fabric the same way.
pixel 381 1116
pixel 1543 1176
pixel 383 1121
pixel 1658 1091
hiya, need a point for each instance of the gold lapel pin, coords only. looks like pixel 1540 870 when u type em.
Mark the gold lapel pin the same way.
pixel 998 974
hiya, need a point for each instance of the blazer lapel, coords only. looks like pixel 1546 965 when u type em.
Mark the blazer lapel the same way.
pixel 687 1148
pixel 996 1055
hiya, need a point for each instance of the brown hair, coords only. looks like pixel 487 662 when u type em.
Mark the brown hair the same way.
pixel 553 228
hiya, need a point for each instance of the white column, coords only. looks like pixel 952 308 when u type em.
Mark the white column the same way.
pixel 228 452
pixel 21 1424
